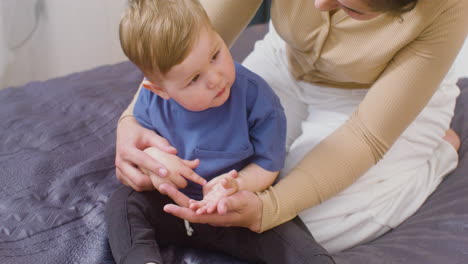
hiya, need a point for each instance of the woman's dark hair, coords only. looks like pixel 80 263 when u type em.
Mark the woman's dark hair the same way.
pixel 396 7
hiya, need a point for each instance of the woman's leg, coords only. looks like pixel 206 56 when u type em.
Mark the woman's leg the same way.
pixel 395 187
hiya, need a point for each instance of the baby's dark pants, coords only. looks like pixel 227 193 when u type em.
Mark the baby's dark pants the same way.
pixel 138 226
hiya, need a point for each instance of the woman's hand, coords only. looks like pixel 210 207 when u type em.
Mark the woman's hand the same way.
pixel 178 170
pixel 242 209
pixel 132 139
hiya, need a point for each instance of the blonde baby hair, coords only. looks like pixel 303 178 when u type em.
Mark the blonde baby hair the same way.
pixel 158 34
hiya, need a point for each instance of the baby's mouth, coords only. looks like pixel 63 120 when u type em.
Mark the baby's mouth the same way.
pixel 220 92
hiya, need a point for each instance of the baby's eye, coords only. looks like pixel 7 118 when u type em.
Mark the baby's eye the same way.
pixel 215 56
pixel 194 79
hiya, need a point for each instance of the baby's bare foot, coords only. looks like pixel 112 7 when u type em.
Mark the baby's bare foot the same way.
pixel 452 138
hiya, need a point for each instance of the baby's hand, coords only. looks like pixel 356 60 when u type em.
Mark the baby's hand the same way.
pixel 216 189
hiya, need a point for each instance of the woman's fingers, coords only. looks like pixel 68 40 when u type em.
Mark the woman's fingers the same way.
pixel 189 174
pixel 178 171
pixel 119 174
pixel 146 161
pixel 132 139
pixel 230 219
pixel 129 174
pixel 133 177
pixel 178 197
pixel 154 140
pixel 158 182
pixel 179 181
pixel 186 213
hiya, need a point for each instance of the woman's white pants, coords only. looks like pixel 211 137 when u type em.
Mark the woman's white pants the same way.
pixel 390 191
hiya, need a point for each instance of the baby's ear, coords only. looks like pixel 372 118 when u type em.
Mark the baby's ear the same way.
pixel 155 89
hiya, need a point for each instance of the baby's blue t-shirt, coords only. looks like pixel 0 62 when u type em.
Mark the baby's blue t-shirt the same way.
pixel 250 127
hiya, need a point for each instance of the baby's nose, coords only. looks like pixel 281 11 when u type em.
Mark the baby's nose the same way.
pixel 214 80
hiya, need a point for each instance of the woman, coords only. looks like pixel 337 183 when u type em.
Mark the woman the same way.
pixel 368 98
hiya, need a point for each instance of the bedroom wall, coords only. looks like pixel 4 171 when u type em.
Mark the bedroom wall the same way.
pixel 42 39
pixel 461 61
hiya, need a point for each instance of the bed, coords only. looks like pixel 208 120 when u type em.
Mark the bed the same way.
pixel 57 146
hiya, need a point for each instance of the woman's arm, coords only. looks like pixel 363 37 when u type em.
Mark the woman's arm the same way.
pixel 230 17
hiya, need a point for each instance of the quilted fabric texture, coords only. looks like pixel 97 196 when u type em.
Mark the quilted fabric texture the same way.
pixel 57 165
pixel 57 150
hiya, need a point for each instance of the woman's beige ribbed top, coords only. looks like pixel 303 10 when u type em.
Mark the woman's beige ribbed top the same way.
pixel 403 60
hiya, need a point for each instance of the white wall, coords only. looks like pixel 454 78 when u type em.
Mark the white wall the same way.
pixel 4 51
pixel 461 62
pixel 71 35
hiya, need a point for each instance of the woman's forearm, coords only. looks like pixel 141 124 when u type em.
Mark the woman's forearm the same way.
pixel 129 110
pixel 329 168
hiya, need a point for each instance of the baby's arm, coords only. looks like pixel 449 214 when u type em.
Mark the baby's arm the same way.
pixel 175 166
pixel 255 178
pixel 252 178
